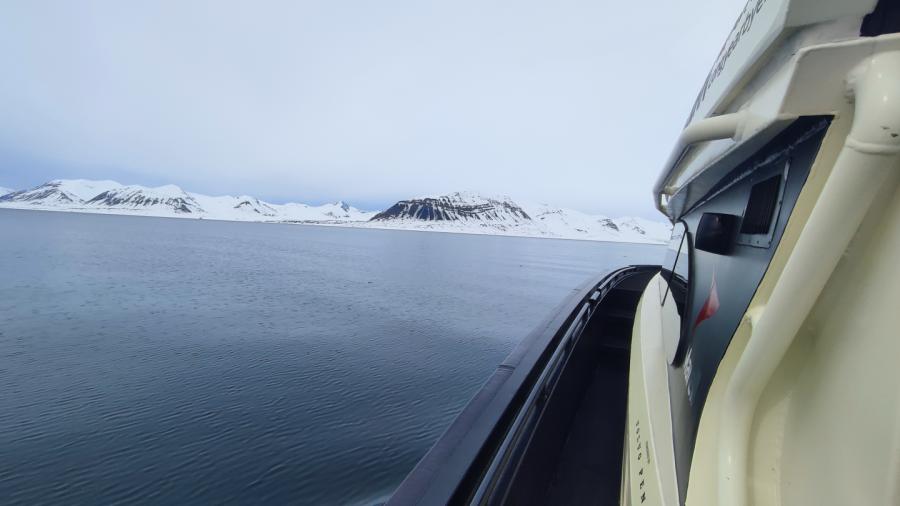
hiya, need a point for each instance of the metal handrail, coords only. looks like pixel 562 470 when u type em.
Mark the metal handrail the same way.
pixel 726 126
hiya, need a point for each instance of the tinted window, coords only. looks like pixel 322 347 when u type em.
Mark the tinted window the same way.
pixel 676 268
pixel 677 273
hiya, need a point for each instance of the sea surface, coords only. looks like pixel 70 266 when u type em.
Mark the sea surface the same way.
pixel 167 361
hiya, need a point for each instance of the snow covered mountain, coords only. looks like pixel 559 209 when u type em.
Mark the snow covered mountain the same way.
pixel 243 208
pixel 4 191
pixel 572 224
pixel 460 212
pixel 462 207
pixel 169 201
pixel 60 193
pixel 164 199
pixel 338 212
pixel 474 213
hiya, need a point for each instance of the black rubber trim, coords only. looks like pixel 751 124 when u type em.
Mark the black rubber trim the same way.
pixel 455 465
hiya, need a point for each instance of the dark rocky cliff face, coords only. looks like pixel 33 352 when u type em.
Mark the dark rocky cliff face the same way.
pixel 454 207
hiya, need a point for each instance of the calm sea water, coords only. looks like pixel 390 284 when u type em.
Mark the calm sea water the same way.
pixel 179 361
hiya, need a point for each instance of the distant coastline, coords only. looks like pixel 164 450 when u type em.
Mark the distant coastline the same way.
pixel 459 212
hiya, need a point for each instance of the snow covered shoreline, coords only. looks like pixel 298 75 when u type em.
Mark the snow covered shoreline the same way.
pixel 466 213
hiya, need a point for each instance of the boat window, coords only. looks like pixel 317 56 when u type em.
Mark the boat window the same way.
pixel 676 271
pixel 676 268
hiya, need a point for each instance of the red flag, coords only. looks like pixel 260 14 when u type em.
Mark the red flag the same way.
pixel 711 305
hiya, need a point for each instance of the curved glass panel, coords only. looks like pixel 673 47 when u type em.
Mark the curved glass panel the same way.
pixel 676 271
pixel 676 267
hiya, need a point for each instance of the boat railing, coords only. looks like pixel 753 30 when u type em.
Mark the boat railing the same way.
pixel 471 458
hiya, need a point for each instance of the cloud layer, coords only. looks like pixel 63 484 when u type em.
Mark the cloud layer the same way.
pixel 571 102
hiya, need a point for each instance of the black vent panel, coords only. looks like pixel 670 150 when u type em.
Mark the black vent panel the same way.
pixel 761 206
pixel 884 19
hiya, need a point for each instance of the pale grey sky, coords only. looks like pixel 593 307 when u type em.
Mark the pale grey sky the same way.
pixel 572 102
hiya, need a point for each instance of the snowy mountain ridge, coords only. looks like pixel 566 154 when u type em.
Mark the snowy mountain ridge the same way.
pixel 460 212
pixel 458 206
pixel 468 212
pixel 168 201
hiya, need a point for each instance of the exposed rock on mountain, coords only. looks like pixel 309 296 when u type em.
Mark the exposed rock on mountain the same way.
pixel 456 207
pixel 164 198
pixel 60 192
pixel 170 200
pixel 477 214
pixel 254 205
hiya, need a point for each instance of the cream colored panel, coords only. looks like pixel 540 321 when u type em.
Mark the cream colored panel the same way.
pixel 650 454
pixel 840 432
pixel 702 490
pixel 827 427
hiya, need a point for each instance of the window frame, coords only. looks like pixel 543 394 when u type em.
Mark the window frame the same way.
pixel 683 255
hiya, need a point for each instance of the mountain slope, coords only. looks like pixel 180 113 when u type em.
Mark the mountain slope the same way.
pixel 478 214
pixel 337 212
pixel 110 197
pixel 61 192
pixel 572 224
pixel 243 208
pixel 4 190
pixel 164 199
pixel 466 207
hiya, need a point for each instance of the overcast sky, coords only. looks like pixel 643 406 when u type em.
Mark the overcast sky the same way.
pixel 571 102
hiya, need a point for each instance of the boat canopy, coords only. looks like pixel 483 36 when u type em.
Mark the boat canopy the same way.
pixel 752 90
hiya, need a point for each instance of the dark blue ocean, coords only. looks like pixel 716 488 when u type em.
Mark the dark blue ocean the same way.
pixel 167 361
